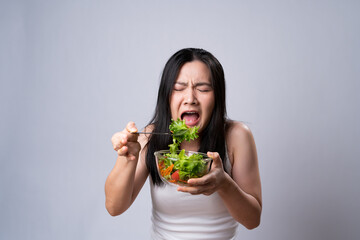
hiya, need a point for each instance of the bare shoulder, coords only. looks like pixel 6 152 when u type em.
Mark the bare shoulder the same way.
pixel 149 128
pixel 239 140
pixel 144 138
pixel 237 132
pixel 241 146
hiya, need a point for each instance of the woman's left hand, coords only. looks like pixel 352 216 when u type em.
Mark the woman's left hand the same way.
pixel 209 183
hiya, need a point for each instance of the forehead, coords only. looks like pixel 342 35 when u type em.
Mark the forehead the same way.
pixel 195 71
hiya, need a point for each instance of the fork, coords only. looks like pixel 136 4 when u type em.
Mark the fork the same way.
pixel 158 133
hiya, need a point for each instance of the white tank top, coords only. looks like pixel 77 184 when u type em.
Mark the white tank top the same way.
pixel 182 216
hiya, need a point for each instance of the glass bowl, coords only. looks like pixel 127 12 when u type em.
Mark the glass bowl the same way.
pixel 176 169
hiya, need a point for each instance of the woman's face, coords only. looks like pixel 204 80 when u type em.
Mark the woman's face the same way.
pixel 192 98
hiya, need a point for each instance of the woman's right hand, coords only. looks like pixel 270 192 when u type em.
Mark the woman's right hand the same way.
pixel 126 142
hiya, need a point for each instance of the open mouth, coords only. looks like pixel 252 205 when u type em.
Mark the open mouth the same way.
pixel 191 118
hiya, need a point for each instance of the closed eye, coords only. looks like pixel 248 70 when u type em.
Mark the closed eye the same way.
pixel 204 89
pixel 179 86
pixel 178 89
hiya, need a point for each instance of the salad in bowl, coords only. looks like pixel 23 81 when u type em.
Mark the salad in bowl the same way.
pixel 178 166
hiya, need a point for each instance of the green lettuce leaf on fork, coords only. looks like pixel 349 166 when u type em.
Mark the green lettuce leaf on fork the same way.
pixel 180 132
pixel 187 166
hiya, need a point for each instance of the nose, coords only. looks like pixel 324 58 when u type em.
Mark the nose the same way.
pixel 190 97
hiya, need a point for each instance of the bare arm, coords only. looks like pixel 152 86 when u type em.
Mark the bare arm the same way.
pixel 129 173
pixel 241 194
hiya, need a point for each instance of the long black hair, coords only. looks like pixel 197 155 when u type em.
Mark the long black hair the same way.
pixel 213 136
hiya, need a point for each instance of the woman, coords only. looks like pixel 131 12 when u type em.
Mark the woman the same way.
pixel 192 88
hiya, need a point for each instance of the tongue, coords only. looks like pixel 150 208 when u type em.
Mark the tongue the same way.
pixel 190 118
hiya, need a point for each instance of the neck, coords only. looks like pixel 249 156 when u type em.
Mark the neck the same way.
pixel 193 145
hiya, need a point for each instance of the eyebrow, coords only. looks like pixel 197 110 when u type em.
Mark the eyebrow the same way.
pixel 195 85
pixel 203 84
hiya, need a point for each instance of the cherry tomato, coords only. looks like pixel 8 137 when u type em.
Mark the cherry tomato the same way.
pixel 175 176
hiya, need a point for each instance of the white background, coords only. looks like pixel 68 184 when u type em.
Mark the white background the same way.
pixel 75 72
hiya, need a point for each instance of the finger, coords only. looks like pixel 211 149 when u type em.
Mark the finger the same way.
pixel 118 140
pixel 131 157
pixel 208 193
pixel 131 131
pixel 131 128
pixel 123 151
pixel 216 159
pixel 134 148
pixel 195 190
pixel 199 181
pixel 191 190
pixel 124 137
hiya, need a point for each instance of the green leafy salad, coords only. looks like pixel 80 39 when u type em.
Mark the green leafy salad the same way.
pixel 176 166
